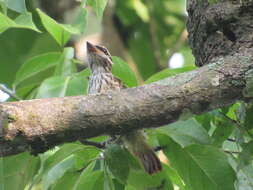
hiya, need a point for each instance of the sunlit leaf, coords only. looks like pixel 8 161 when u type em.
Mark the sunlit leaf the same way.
pixel 5 23
pixel 98 6
pixel 187 132
pixel 92 180
pixel 25 21
pixel 141 180
pixel 167 73
pixel 81 20
pixel 66 66
pixel 16 171
pixel 173 176
pixel 22 21
pixel 18 6
pixel 60 86
pixel 36 66
pixel 66 182
pixel 83 155
pixel 24 91
pixel 78 85
pixel 57 171
pixel 141 10
pixel 203 162
pixel 3 6
pixel 122 71
pixel 60 32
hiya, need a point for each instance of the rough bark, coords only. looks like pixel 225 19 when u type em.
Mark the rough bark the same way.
pixel 218 28
pixel 221 38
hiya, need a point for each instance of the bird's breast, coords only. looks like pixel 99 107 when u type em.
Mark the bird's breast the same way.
pixel 103 82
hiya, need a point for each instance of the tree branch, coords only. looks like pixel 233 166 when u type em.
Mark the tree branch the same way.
pixel 37 125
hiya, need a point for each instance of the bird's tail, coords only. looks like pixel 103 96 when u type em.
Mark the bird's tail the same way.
pixel 136 144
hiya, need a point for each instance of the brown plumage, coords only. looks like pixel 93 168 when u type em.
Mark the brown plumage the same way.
pixel 102 80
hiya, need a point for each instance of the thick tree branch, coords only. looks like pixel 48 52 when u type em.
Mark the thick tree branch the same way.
pixel 37 125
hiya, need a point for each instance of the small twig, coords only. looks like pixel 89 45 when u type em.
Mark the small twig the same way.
pixel 231 152
pixel 83 168
pixel 237 124
pixel 9 92
pixel 158 148
pixel 231 140
pixel 100 145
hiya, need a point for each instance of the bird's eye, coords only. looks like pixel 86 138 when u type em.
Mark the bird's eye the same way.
pixel 104 50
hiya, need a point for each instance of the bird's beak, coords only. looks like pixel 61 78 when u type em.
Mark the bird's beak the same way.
pixel 91 47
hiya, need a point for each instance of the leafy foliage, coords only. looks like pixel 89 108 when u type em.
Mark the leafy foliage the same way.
pixel 210 151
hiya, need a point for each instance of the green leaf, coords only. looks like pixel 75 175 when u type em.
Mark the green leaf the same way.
pixel 98 6
pixel 60 32
pixel 83 155
pixel 108 181
pixel 141 10
pixel 129 187
pixel 78 85
pixel 141 180
pixel 5 23
pixel 173 176
pixel 53 87
pixel 17 171
pixel 22 21
pixel 205 120
pixel 168 73
pixel 207 164
pixel 248 122
pixel 186 133
pixel 60 86
pixel 65 66
pixel 34 67
pixel 118 185
pixel 245 178
pixel 3 7
pixel 18 6
pixel 66 182
pixel 142 51
pixel 25 21
pixel 81 20
pixel 244 174
pixel 24 92
pixel 117 161
pixel 232 111
pixel 92 180
pixel 246 156
pixel 57 171
pixel 122 71
pixel 39 43
pixel 224 128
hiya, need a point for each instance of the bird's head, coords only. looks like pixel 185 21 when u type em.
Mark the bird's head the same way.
pixel 99 58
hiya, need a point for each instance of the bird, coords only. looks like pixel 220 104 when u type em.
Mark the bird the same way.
pixel 102 80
